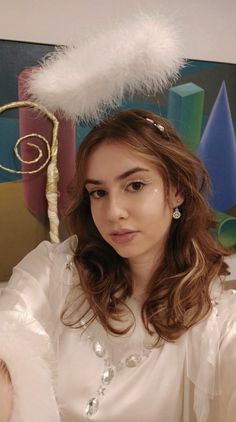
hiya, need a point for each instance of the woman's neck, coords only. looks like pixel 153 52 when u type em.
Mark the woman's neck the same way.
pixel 141 273
pixel 142 269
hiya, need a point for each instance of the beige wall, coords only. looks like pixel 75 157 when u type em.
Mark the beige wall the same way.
pixel 20 230
pixel 208 26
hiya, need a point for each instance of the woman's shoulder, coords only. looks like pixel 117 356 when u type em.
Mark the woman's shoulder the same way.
pixel 206 339
pixel 46 252
pixel 223 306
pixel 222 314
pixel 46 247
pixel 48 265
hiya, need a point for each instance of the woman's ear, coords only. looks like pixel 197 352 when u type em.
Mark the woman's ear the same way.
pixel 175 197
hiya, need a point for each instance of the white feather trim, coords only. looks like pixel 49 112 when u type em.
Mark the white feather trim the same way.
pixel 33 395
pixel 142 55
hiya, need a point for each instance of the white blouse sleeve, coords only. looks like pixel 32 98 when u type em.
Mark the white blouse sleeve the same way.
pixel 228 364
pixel 211 361
pixel 29 313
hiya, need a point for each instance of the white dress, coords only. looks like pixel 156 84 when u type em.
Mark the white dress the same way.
pixel 74 375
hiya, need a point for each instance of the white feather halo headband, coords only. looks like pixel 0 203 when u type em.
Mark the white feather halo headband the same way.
pixel 83 82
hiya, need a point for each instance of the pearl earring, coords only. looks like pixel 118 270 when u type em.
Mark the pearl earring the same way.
pixel 176 213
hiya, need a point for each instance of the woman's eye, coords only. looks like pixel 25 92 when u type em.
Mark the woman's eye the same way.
pixel 135 186
pixel 97 193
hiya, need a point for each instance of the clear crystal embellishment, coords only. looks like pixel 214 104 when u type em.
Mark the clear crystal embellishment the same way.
pixel 108 375
pixel 133 360
pixel 98 349
pixel 92 406
pixel 101 390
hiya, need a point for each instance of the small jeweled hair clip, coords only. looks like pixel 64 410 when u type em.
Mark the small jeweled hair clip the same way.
pixel 157 125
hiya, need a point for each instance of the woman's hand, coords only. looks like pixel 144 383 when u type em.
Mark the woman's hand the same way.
pixel 6 393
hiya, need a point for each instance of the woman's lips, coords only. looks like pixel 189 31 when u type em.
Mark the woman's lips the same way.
pixel 123 237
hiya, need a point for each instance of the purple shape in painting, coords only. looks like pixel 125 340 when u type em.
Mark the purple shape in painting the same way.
pixel 217 150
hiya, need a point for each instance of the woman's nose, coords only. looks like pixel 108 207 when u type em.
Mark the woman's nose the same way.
pixel 116 209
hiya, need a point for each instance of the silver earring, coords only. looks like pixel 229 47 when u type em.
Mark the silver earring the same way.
pixel 176 213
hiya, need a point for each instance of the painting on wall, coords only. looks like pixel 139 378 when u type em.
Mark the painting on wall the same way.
pixel 201 105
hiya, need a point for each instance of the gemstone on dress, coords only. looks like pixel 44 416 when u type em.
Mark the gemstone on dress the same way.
pixel 98 349
pixel 108 375
pixel 146 353
pixel 92 406
pixel 133 360
pixel 107 361
pixel 69 264
pixel 101 390
pixel 120 366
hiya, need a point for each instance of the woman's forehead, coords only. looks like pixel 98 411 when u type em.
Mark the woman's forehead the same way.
pixel 113 159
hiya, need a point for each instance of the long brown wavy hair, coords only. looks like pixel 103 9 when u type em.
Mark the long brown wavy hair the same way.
pixel 178 293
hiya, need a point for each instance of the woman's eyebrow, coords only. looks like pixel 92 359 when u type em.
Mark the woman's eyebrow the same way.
pixel 120 177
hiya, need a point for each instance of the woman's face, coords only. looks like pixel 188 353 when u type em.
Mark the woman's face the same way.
pixel 128 202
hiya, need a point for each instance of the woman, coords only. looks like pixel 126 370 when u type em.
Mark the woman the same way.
pixel 129 320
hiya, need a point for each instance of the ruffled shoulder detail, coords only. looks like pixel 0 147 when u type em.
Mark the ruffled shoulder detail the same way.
pixel 29 320
pixel 68 246
pixel 203 348
pixel 41 280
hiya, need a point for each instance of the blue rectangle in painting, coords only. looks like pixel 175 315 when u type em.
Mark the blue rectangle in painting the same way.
pixel 8 137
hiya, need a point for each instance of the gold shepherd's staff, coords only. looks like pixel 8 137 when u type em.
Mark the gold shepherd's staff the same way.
pixel 51 190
